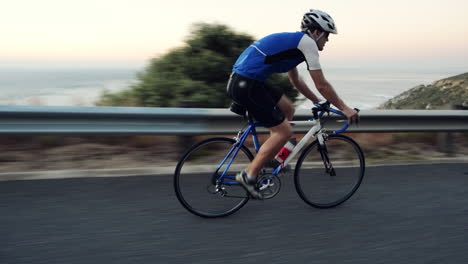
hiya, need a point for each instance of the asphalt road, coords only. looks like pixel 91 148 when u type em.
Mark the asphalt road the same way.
pixel 405 214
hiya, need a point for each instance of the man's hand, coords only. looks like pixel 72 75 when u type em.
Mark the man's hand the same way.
pixel 352 114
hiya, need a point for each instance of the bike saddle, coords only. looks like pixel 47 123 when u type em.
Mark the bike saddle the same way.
pixel 238 109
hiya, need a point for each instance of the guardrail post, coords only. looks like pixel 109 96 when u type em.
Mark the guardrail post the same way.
pixel 185 142
pixel 445 140
pixel 445 143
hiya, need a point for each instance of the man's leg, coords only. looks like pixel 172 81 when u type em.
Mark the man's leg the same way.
pixel 287 107
pixel 279 135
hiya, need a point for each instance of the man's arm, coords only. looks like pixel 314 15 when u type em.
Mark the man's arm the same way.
pixel 326 89
pixel 302 86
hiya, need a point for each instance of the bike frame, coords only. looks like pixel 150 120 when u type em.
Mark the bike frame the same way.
pixel 315 130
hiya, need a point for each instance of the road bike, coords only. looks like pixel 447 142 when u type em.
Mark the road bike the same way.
pixel 328 171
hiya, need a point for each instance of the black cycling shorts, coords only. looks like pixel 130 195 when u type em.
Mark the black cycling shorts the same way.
pixel 259 99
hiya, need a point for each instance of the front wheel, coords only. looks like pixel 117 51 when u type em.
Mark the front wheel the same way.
pixel 201 184
pixel 328 175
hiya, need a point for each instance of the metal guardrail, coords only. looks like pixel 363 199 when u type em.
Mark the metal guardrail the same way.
pixel 37 120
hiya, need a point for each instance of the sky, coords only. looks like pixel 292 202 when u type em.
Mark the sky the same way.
pixel 130 32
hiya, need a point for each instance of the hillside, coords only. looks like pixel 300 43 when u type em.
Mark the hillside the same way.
pixel 440 94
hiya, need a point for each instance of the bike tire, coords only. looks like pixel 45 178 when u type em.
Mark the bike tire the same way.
pixel 319 187
pixel 193 178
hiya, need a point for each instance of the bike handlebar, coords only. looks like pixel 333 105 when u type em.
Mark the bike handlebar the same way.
pixel 321 108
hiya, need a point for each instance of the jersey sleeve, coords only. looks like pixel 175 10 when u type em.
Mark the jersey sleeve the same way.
pixel 309 48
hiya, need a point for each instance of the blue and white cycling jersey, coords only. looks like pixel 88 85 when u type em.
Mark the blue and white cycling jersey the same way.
pixel 277 53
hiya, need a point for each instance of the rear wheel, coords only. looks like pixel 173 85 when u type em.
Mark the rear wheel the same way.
pixel 328 175
pixel 198 183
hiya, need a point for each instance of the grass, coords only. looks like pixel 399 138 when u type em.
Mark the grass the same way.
pixel 73 152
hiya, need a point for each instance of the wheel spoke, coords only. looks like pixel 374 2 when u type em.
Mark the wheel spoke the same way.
pixel 201 165
pixel 329 175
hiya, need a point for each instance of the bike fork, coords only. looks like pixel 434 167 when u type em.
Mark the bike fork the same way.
pixel 322 149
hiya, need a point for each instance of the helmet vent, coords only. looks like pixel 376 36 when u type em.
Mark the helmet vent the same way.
pixel 316 19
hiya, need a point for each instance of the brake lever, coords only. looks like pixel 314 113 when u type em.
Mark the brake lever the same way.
pixel 325 107
pixel 357 120
pixel 314 112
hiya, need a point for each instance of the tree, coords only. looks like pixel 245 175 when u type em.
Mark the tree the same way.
pixel 194 74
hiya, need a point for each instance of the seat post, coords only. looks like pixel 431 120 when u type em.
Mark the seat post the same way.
pixel 250 118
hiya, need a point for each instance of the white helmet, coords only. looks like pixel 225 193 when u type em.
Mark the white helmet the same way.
pixel 316 19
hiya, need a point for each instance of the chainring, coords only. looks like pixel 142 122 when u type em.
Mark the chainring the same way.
pixel 269 185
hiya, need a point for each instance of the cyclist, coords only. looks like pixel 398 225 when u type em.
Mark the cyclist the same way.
pixel 278 53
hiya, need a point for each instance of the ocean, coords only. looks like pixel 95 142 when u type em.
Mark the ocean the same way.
pixel 368 88
pixel 61 87
pixel 364 88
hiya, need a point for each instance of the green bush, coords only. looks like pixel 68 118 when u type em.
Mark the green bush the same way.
pixel 195 74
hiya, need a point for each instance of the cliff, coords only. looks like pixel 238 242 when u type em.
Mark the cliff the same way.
pixel 441 94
